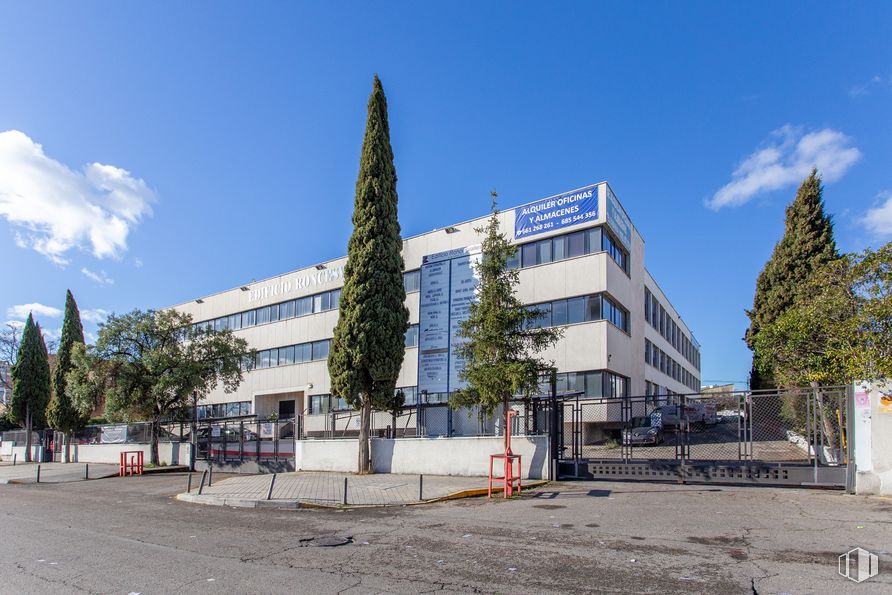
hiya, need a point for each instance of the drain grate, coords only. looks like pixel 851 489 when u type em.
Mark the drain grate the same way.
pixel 325 541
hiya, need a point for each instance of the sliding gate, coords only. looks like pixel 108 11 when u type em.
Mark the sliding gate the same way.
pixel 792 437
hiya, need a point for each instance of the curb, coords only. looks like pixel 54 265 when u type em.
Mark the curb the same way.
pixel 213 500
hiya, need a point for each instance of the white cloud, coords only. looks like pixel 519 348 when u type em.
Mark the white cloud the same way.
pixel 21 311
pixel 96 315
pixel 785 160
pixel 57 208
pixel 878 220
pixel 875 81
pixel 99 277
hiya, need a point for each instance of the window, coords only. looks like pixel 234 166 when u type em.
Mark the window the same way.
pixel 286 310
pixel 576 310
pixel 248 318
pixel 303 352
pixel 410 395
pixel 592 240
pixel 559 313
pixel 559 248
pixel 529 252
pixel 263 315
pixel 320 349
pixel 335 299
pixel 593 307
pixel 319 404
pixel 576 244
pixel 513 260
pixel 411 280
pixel 543 251
pixel 304 306
pixel 286 355
pixel 263 359
pixel 647 353
pixel 412 336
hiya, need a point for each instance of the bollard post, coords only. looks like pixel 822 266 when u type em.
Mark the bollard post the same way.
pixel 204 475
pixel 420 488
pixel 345 491
pixel 189 484
pixel 38 472
pixel 14 457
pixel 272 482
pixel 210 473
pixel 86 470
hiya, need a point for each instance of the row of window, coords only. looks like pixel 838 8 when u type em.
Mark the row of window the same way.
pixel 653 390
pixel 234 409
pixel 662 322
pixel 292 354
pixel 569 245
pixel 586 308
pixel 595 385
pixel 311 304
pixel 660 360
pixel 308 352
pixel 327 403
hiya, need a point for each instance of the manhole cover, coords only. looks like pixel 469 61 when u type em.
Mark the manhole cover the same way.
pixel 325 541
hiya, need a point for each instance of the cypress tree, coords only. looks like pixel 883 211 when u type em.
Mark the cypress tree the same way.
pixel 61 413
pixel 369 340
pixel 807 245
pixel 30 382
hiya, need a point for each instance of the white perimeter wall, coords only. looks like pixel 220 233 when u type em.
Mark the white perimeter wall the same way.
pixel 172 453
pixel 872 440
pixel 465 456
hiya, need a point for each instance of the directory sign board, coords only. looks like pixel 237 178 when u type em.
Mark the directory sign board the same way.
pixel 448 286
pixel 556 212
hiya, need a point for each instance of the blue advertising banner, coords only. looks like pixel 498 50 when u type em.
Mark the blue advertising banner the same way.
pixel 618 220
pixel 556 212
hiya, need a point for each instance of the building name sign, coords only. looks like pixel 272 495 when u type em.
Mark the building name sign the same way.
pixel 448 287
pixel 296 283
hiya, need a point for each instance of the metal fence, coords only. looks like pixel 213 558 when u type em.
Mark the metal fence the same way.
pixel 430 419
pixel 795 426
pixel 244 439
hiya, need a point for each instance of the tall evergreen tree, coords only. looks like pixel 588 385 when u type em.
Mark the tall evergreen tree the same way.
pixel 369 339
pixel 61 414
pixel 502 335
pixel 806 246
pixel 31 387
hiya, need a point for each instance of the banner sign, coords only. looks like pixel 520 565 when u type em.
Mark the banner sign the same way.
pixel 556 212
pixel 448 286
pixel 618 220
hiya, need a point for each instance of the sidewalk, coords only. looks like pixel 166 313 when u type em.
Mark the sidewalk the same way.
pixel 53 472
pixel 327 489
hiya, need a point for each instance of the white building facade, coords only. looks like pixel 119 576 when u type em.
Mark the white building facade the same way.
pixel 580 259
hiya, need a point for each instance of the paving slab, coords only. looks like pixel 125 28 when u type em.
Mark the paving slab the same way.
pixel 327 489
pixel 54 472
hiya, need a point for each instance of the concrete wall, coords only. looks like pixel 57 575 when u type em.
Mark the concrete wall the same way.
pixel 172 453
pixel 10 451
pixel 871 439
pixel 431 456
pixel 326 455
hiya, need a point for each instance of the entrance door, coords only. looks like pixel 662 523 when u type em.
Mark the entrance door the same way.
pixel 286 409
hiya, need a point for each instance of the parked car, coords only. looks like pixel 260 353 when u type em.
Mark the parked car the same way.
pixel 645 430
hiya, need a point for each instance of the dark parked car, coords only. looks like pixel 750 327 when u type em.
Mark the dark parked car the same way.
pixel 643 431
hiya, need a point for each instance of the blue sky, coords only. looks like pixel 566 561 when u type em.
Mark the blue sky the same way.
pixel 152 153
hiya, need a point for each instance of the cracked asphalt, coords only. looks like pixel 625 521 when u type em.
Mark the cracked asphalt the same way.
pixel 130 536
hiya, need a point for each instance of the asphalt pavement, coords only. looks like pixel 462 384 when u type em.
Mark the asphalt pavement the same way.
pixel 129 535
pixel 55 472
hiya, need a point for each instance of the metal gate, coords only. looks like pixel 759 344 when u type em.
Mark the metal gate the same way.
pixel 790 437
